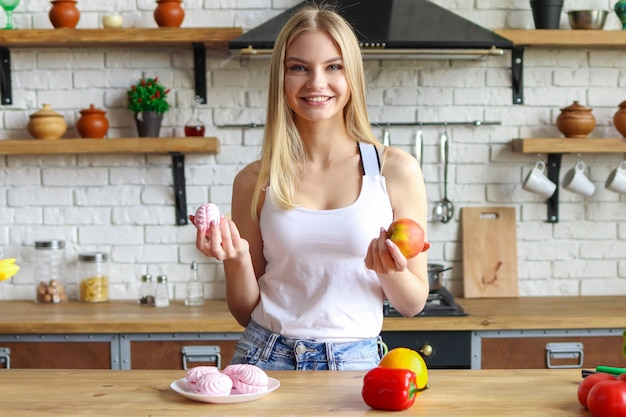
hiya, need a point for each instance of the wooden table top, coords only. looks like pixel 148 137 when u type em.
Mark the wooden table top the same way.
pixel 524 313
pixel 463 393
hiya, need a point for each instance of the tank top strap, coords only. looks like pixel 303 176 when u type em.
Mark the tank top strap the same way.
pixel 369 159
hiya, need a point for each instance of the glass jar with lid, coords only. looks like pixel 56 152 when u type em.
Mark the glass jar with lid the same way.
pixel 50 276
pixel 93 279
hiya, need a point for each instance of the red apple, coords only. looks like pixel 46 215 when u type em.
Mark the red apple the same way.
pixel 408 236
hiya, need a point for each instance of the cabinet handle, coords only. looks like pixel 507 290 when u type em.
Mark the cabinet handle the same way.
pixel 201 354
pixel 5 357
pixel 564 351
pixel 427 350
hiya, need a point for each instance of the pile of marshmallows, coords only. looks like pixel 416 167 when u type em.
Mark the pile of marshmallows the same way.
pixel 234 379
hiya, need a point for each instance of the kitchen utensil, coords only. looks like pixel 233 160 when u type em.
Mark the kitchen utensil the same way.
pixel 616 180
pixel 537 182
pixel 489 252
pixel 587 19
pixel 610 370
pixel 435 279
pixel 419 145
pixel 444 209
pixel 576 181
pixel 386 137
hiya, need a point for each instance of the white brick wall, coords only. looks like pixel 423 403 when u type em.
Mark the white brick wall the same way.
pixel 123 204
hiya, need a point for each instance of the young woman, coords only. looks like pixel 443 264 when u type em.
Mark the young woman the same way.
pixel 306 257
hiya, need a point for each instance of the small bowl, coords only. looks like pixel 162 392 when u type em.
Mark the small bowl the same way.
pixel 587 19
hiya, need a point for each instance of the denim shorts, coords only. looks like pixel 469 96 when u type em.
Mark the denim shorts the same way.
pixel 271 351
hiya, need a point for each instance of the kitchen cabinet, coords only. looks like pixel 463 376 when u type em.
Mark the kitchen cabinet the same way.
pixel 165 351
pixel 72 351
pixel 544 38
pixel 548 349
pixel 495 332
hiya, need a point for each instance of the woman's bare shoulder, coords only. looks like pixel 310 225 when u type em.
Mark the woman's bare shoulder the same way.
pixel 397 164
pixel 247 177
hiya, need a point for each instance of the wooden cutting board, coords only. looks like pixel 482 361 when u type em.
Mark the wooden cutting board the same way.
pixel 489 252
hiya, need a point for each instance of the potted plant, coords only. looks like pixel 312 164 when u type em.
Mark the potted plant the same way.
pixel 148 101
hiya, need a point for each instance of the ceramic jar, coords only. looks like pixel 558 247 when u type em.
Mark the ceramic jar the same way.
pixel 619 119
pixel 64 14
pixel 92 123
pixel 47 124
pixel 169 13
pixel 576 121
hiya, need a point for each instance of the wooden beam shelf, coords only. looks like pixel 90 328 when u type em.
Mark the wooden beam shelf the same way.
pixel 569 145
pixel 561 38
pixel 106 146
pixel 216 37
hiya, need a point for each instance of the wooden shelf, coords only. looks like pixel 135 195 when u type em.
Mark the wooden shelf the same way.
pixel 144 37
pixel 108 146
pixel 565 38
pixel 570 145
pixel 555 148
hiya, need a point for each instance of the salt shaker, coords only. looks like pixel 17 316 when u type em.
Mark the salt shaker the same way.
pixel 146 291
pixel 194 288
pixel 162 297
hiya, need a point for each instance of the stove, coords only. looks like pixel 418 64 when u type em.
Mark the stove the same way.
pixel 440 302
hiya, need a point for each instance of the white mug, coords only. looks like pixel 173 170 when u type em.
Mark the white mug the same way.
pixel 616 180
pixel 537 182
pixel 577 182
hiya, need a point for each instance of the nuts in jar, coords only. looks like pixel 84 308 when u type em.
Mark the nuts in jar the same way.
pixel 51 292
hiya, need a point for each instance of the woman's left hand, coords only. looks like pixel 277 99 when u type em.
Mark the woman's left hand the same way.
pixel 383 256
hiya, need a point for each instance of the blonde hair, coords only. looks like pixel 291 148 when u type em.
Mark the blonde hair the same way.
pixel 282 151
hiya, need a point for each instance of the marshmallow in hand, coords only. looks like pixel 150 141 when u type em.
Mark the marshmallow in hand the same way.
pixel 205 215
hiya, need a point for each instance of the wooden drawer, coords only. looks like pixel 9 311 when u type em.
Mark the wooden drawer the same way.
pixel 59 355
pixel 166 354
pixel 530 351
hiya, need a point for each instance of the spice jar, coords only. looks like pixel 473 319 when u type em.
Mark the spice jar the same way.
pixel 162 296
pixel 93 277
pixel 146 291
pixel 50 271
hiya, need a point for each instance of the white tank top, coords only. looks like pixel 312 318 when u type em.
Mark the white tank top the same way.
pixel 316 285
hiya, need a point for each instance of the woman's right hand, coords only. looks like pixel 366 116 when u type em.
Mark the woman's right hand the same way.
pixel 221 241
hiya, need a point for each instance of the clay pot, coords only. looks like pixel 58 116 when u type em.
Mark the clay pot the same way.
pixel 46 124
pixel 619 119
pixel 576 121
pixel 169 13
pixel 64 14
pixel 92 123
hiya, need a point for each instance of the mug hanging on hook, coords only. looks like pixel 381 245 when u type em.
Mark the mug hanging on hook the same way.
pixel 537 182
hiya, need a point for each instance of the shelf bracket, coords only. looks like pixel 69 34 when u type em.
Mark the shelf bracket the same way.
pixel 554 168
pixel 178 171
pixel 6 91
pixel 517 74
pixel 199 68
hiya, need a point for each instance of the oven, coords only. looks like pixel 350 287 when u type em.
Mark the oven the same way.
pixel 440 349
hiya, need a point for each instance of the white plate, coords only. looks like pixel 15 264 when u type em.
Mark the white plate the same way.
pixel 181 387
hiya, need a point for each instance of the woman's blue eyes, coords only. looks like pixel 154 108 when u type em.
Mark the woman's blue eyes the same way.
pixel 301 68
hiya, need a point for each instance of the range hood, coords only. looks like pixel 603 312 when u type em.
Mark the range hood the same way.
pixel 393 29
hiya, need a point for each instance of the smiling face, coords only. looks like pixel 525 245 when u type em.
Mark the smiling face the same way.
pixel 316 87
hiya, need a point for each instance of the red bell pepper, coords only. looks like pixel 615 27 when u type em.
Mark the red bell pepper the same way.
pixel 392 389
